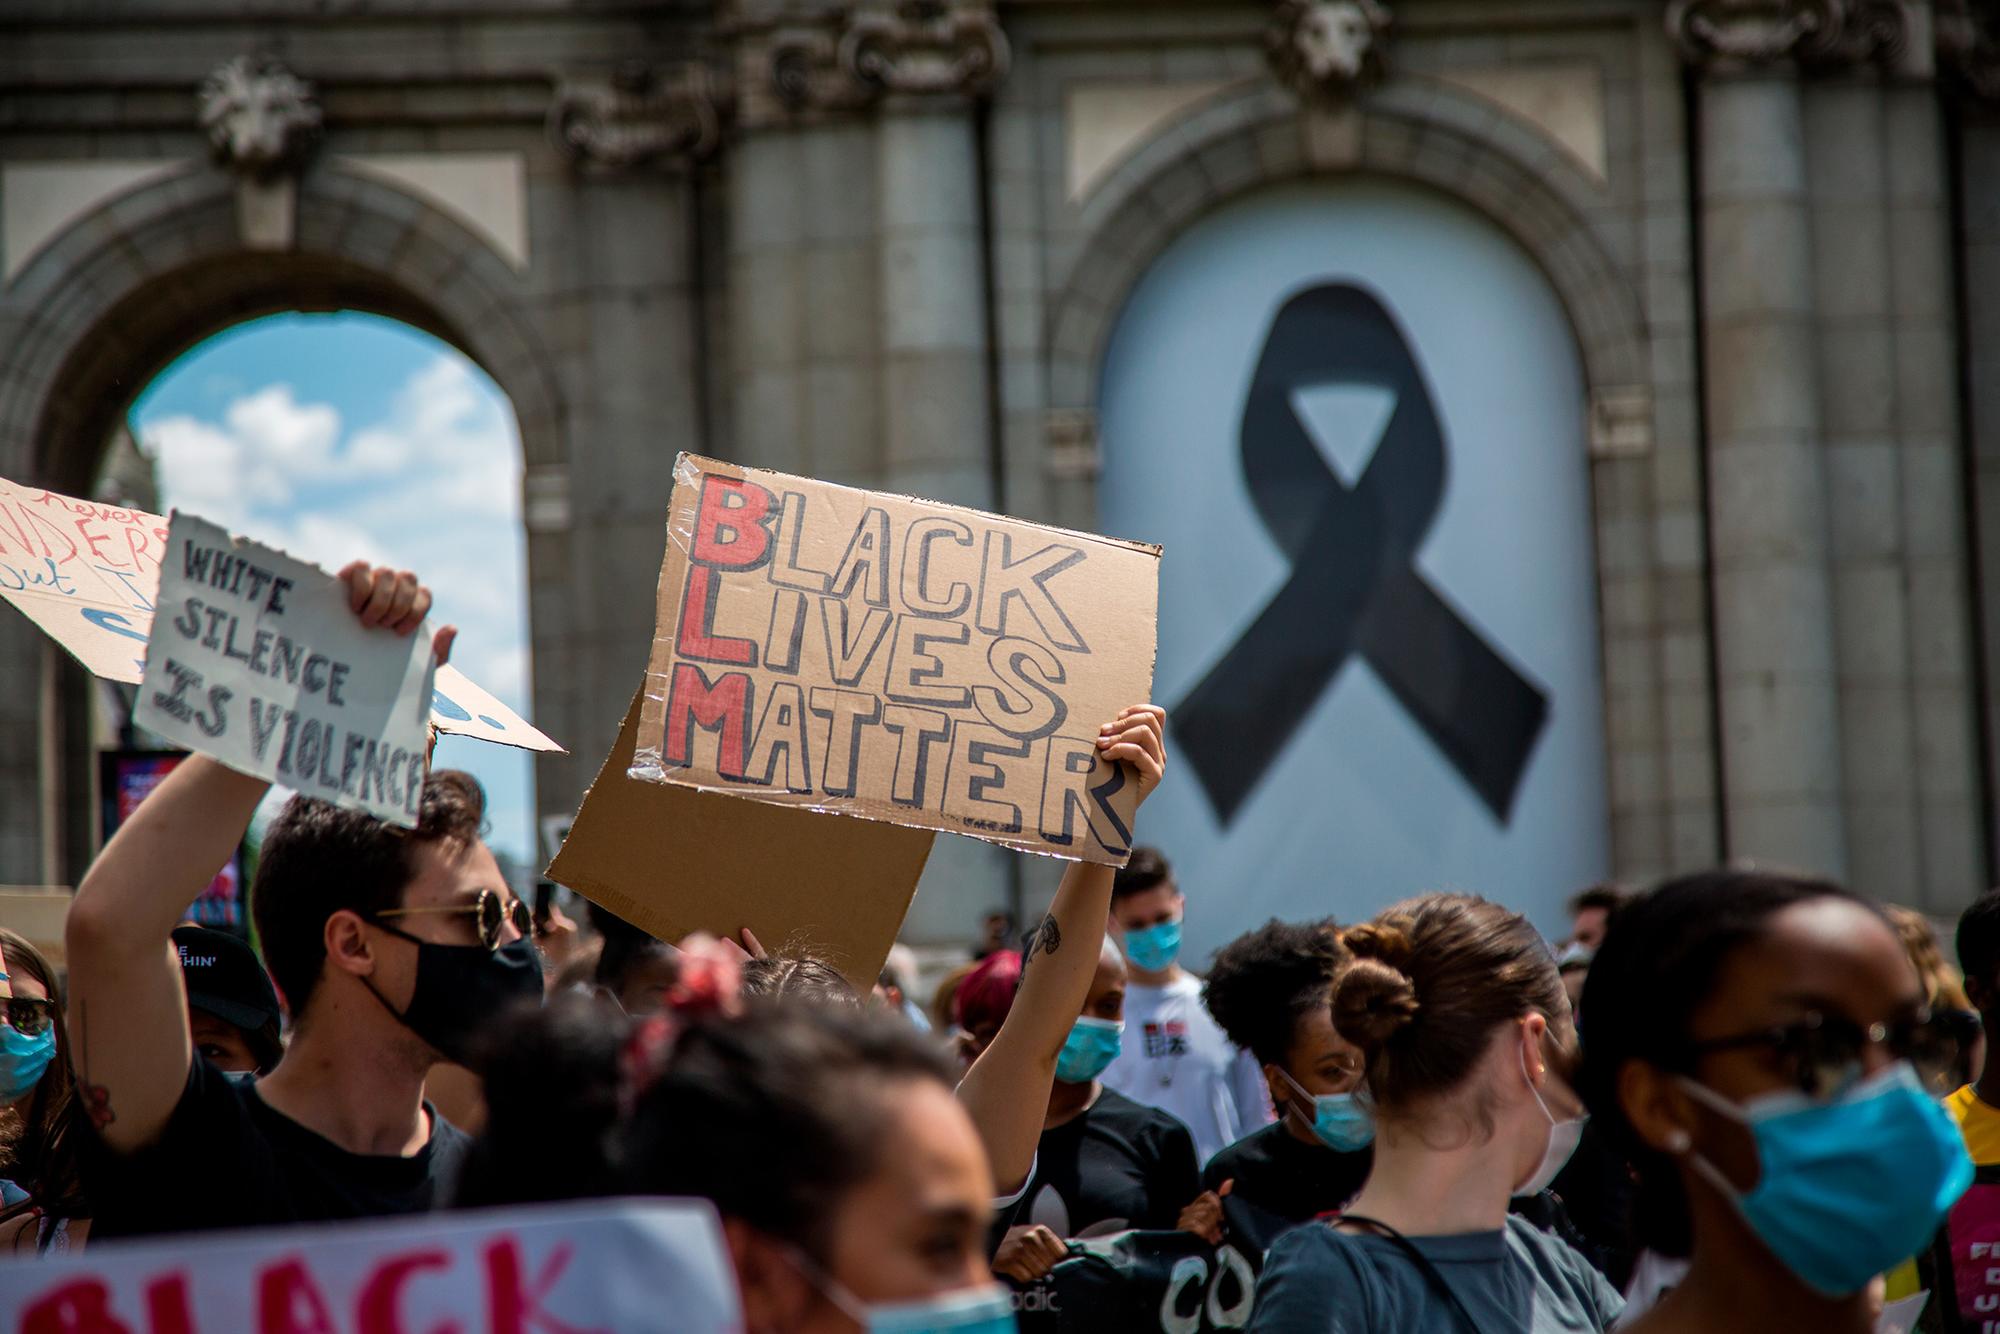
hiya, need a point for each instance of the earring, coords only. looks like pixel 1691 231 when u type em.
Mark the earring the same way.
pixel 1679 1141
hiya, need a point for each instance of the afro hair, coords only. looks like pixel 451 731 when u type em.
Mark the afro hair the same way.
pixel 1263 982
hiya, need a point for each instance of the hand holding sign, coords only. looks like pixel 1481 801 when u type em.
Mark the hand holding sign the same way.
pixel 283 672
pixel 1137 736
pixel 393 598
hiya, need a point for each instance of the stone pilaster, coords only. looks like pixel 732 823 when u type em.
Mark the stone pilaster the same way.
pixel 1936 566
pixel 1782 761
pixel 1867 541
pixel 1968 58
pixel 857 279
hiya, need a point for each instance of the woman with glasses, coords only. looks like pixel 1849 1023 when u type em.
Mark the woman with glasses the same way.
pixel 1469 1052
pixel 1760 1047
pixel 42 1205
pixel 1271 990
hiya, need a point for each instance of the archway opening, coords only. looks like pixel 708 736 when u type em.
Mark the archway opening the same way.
pixel 342 435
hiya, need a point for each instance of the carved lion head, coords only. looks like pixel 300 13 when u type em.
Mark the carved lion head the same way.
pixel 258 114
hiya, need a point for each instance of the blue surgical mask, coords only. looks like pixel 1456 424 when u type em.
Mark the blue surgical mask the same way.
pixel 1846 1189
pixel 1154 948
pixel 1091 1045
pixel 984 1310
pixel 1344 1122
pixel 23 1060
pixel 987 1309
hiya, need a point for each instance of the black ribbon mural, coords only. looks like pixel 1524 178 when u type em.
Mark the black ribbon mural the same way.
pixel 1354 587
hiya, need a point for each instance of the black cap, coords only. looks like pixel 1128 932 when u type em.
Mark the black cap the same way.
pixel 224 977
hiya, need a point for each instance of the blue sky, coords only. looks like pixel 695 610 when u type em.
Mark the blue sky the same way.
pixel 348 435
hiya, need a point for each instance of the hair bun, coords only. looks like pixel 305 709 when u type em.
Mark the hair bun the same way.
pixel 1381 940
pixel 1375 999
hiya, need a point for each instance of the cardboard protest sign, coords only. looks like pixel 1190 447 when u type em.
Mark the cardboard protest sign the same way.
pixel 88 575
pixel 674 860
pixel 597 1265
pixel 85 573
pixel 462 707
pixel 842 650
pixel 257 660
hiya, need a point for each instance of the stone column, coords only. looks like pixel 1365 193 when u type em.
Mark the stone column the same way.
pixel 857 280
pixel 1969 64
pixel 936 411
pixel 1782 760
pixel 767 207
pixel 802 298
pixel 620 316
pixel 1936 554
pixel 1857 340
pixel 935 406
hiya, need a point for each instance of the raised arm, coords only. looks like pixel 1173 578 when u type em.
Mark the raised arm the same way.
pixel 127 1010
pixel 1007 1089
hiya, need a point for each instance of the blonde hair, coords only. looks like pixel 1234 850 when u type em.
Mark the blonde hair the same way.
pixel 1944 985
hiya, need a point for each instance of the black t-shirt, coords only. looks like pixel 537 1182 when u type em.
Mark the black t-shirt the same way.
pixel 1600 1198
pixel 1116 1165
pixel 1281 1182
pixel 226 1158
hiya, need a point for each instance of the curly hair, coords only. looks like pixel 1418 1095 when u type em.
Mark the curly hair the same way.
pixel 1944 985
pixel 1264 981
pixel 318 859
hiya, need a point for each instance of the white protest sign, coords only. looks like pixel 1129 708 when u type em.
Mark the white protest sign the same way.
pixel 257 660
pixel 88 575
pixel 595 1267
pixel 85 573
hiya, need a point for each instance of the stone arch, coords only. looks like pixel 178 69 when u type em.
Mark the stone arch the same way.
pixel 1255 134
pixel 128 286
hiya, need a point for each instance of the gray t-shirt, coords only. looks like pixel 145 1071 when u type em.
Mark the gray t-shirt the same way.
pixel 1519 1280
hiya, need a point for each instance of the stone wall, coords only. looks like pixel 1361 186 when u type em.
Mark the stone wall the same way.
pixel 886 244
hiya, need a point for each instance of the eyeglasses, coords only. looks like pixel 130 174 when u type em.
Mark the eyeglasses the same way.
pixel 1822 1052
pixel 28 1016
pixel 490 909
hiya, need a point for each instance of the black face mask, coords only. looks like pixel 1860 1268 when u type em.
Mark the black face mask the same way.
pixel 461 989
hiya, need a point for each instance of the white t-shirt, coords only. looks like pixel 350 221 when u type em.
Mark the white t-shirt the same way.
pixel 1176 1058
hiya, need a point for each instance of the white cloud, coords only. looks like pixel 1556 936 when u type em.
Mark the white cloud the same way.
pixel 430 484
pixel 282 432
pixel 267 448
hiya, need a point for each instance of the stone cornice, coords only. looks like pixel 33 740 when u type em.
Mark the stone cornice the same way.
pixel 1724 34
pixel 798 63
pixel 636 116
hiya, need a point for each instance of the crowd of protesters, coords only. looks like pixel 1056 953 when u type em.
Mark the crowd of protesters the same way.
pixel 1742 1100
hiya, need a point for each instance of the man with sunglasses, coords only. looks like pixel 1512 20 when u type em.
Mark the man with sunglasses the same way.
pixel 393 949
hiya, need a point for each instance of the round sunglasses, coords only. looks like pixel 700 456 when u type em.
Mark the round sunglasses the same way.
pixel 27 1015
pixel 1822 1053
pixel 491 910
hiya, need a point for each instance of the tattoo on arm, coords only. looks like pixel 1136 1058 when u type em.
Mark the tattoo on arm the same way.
pixel 1046 940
